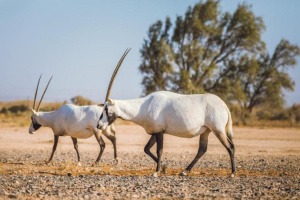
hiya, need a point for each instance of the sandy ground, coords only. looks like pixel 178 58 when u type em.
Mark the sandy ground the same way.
pixel 267 162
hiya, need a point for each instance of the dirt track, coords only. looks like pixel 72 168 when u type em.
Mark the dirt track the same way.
pixel 267 163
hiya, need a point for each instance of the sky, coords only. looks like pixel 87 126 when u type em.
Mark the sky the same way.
pixel 80 43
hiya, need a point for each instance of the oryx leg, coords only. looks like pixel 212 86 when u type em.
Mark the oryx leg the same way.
pixel 203 140
pixel 159 150
pixel 228 144
pixel 53 148
pixel 101 144
pixel 148 146
pixel 76 149
pixel 156 138
pixel 111 136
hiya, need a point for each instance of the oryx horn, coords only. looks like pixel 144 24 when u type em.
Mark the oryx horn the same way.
pixel 36 90
pixel 115 73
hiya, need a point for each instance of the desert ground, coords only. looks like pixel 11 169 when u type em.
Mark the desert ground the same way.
pixel 267 161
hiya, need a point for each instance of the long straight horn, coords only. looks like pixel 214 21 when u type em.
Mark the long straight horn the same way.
pixel 44 94
pixel 115 73
pixel 36 90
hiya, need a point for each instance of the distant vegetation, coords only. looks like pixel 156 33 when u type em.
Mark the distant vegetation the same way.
pixel 81 101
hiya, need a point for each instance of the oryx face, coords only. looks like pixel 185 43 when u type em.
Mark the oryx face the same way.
pixel 107 117
pixel 34 126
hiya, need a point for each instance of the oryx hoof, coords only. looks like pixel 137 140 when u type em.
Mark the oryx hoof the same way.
pixel 48 162
pixel 184 173
pixel 116 161
pixel 232 175
pixel 79 164
pixel 95 164
pixel 155 174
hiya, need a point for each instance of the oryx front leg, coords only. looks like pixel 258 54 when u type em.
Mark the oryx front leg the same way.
pixel 148 146
pixel 53 148
pixel 202 149
pixel 76 149
pixel 156 138
pixel 159 150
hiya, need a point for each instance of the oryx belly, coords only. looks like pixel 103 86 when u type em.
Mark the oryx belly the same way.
pixel 83 134
pixel 187 133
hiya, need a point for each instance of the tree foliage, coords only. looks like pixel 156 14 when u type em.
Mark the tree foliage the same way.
pixel 81 101
pixel 218 52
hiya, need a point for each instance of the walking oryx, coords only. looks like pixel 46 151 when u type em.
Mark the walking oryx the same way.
pixel 74 121
pixel 180 115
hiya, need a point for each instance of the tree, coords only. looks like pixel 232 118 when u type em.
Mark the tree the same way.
pixel 221 53
pixel 156 66
pixel 264 78
pixel 81 101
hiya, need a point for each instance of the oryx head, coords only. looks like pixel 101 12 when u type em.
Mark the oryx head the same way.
pixel 35 112
pixel 109 115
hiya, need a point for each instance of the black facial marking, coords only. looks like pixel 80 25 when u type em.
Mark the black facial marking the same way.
pixel 35 125
pixel 106 111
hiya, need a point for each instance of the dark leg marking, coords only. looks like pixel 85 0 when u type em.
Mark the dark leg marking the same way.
pixel 148 146
pixel 228 144
pixel 159 150
pixel 53 148
pixel 203 140
pixel 76 148
pixel 102 147
pixel 113 141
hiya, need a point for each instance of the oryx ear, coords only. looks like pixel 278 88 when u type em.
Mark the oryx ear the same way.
pixel 112 102
pixel 101 104
pixel 33 111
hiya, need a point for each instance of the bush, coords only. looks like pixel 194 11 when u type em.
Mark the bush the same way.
pixel 18 109
pixel 81 101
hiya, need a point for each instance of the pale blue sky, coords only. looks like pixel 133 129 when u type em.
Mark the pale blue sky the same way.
pixel 80 42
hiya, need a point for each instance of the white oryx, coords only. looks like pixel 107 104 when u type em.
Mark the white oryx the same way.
pixel 78 122
pixel 180 115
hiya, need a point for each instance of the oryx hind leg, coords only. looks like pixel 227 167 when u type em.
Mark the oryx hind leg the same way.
pixel 101 144
pixel 76 149
pixel 203 140
pixel 110 134
pixel 228 144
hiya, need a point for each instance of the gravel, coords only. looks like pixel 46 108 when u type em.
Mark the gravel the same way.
pixel 23 175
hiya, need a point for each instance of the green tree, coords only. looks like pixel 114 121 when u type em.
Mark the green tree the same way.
pixel 218 52
pixel 262 79
pixel 156 65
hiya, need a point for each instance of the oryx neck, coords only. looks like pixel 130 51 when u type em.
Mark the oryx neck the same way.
pixel 128 109
pixel 45 118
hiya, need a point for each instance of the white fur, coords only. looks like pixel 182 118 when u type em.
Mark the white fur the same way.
pixel 71 120
pixel 175 114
